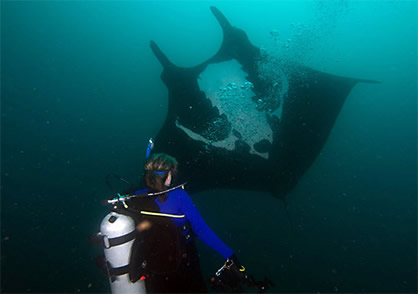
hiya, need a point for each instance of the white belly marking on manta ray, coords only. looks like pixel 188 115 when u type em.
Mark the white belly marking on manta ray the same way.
pixel 227 88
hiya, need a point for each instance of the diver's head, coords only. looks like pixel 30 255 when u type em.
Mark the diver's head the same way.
pixel 159 170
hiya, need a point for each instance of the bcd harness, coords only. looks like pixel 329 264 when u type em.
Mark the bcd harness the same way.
pixel 155 250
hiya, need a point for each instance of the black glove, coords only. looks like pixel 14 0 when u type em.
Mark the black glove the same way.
pixel 231 274
pixel 236 271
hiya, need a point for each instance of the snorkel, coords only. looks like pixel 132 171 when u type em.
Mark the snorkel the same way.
pixel 149 148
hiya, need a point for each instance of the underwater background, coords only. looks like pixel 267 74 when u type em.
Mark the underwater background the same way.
pixel 81 95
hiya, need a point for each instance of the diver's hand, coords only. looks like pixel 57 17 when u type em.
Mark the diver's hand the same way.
pixel 236 262
pixel 236 269
pixel 234 273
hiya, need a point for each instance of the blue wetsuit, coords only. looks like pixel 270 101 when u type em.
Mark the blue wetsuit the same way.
pixel 178 202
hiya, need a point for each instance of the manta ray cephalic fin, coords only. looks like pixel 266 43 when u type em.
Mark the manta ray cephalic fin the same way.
pixel 165 62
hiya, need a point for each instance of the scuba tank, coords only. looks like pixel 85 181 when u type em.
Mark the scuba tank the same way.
pixel 118 233
pixel 121 242
pixel 117 236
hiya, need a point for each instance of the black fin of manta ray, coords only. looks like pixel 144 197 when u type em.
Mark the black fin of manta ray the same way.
pixel 235 44
pixel 187 104
pixel 171 67
pixel 314 102
pixel 221 19
pixel 162 58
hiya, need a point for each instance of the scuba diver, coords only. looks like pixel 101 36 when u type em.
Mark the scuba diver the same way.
pixel 168 223
pixel 148 238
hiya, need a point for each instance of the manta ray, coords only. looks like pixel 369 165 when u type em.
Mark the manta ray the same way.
pixel 243 119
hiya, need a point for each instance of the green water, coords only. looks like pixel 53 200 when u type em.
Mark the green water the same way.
pixel 81 95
